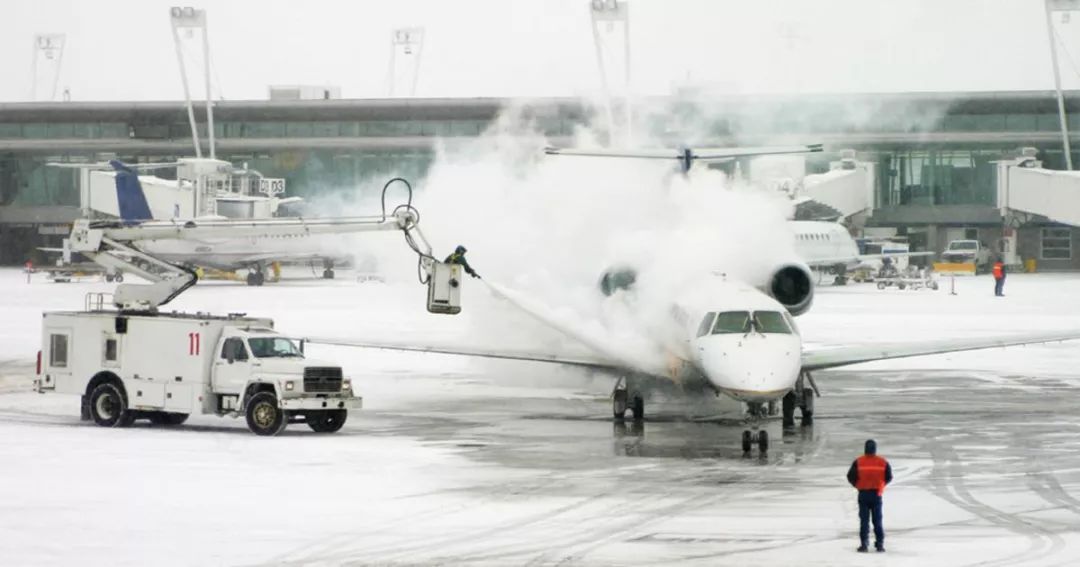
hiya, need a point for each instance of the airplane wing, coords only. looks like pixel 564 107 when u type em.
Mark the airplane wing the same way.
pixel 106 166
pixel 728 153
pixel 847 355
pixel 818 262
pixel 705 154
pixel 581 362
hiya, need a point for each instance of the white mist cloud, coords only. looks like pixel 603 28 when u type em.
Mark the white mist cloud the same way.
pixel 547 227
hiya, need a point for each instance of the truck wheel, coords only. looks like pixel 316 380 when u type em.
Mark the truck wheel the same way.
pixel 327 421
pixel 108 407
pixel 264 417
pixel 165 418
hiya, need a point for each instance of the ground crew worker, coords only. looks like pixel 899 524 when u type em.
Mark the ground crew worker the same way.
pixel 999 278
pixel 869 474
pixel 458 257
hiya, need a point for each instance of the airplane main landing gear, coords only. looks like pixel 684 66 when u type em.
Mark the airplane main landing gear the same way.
pixel 328 270
pixel 621 400
pixel 802 397
pixel 256 277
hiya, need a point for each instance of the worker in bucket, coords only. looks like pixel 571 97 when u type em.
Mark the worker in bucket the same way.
pixel 869 474
pixel 999 278
pixel 458 257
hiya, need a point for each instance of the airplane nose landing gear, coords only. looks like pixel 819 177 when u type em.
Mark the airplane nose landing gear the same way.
pixel 755 435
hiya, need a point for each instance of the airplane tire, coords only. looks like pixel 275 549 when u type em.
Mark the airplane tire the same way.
pixel 618 404
pixel 763 442
pixel 328 274
pixel 788 409
pixel 747 442
pixel 638 408
pixel 251 278
pixel 881 285
pixel 119 278
pixel 109 278
pixel 808 407
pixel 259 278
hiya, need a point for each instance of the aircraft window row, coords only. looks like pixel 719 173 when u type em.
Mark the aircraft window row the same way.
pixel 822 236
pixel 742 322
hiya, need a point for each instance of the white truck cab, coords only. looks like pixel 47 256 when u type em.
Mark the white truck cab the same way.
pixel 967 252
pixel 165 366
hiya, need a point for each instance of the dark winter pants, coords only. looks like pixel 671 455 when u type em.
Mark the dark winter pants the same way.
pixel 999 286
pixel 870 506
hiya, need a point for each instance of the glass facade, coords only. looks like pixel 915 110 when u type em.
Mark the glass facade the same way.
pixel 323 159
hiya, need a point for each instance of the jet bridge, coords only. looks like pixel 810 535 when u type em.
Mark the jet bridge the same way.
pixel 1024 186
pixel 847 188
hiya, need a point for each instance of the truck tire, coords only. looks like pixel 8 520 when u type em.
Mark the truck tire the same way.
pixel 108 406
pixel 264 417
pixel 328 421
pixel 166 418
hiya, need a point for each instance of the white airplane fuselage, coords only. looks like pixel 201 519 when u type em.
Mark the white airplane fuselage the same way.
pixel 238 253
pixel 819 243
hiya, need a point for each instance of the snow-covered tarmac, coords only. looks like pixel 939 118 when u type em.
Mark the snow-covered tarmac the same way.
pixel 457 461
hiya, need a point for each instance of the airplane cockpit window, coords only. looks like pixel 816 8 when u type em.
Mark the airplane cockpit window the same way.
pixel 732 322
pixel 771 322
pixel 706 324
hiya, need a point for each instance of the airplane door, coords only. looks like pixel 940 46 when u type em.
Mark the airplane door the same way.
pixel 232 367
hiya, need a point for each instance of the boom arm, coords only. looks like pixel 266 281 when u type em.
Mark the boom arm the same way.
pixel 112 244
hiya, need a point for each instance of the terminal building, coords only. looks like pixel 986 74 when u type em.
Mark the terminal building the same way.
pixel 935 166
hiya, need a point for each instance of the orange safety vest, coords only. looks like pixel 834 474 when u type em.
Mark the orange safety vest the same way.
pixel 871 473
pixel 998 266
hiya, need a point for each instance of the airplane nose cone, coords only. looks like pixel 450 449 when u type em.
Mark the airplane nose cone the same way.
pixel 752 368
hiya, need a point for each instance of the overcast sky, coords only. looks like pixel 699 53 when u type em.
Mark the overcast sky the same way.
pixel 122 49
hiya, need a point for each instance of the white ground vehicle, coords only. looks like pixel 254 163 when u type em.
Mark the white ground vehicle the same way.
pixel 967 252
pixel 163 367
pixel 135 362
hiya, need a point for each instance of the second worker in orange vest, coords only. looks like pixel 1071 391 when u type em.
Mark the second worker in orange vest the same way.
pixel 999 278
pixel 869 474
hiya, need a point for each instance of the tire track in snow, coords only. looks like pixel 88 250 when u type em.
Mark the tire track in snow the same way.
pixel 946 481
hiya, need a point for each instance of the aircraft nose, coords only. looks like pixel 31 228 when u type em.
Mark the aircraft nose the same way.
pixel 752 367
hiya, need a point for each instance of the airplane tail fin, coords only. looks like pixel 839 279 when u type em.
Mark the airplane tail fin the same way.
pixel 129 194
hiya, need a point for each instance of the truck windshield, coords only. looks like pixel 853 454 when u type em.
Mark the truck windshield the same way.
pixel 274 347
pixel 967 245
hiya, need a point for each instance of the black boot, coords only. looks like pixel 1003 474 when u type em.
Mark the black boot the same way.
pixel 862 548
pixel 880 547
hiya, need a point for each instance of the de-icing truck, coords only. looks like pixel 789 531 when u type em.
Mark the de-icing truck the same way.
pixel 163 367
pixel 129 361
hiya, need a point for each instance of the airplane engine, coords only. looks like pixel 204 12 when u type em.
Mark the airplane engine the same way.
pixel 616 278
pixel 792 286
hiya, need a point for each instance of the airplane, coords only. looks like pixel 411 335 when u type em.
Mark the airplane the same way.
pixel 723 336
pixel 737 339
pixel 254 253
pixel 828 247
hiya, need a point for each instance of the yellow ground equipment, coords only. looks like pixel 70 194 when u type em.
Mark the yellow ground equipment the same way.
pixel 955 269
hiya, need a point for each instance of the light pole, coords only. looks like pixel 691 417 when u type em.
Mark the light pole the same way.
pixel 410 41
pixel 613 13
pixel 1065 6
pixel 188 19
pixel 50 48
